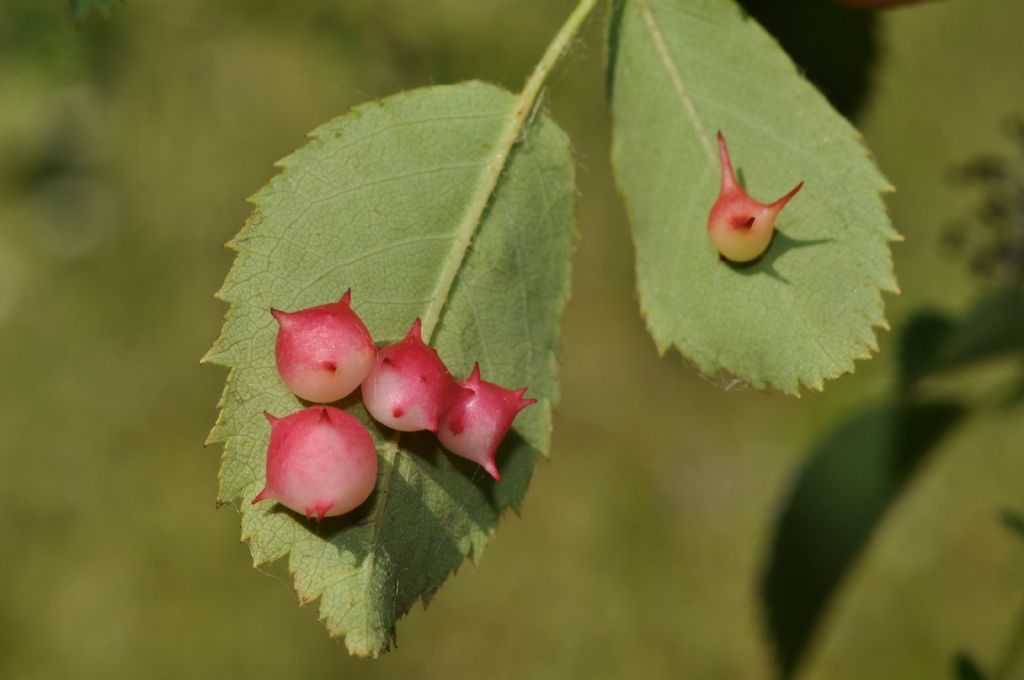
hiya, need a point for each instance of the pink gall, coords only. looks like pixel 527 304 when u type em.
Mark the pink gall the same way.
pixel 476 423
pixel 740 227
pixel 408 387
pixel 324 352
pixel 321 462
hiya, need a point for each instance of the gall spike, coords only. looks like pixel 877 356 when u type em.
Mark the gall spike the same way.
pixel 408 387
pixel 739 226
pixel 323 353
pixel 321 462
pixel 477 422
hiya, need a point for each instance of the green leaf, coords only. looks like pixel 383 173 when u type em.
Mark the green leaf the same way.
pixel 920 343
pixel 448 203
pixel 1014 396
pixel 1014 521
pixel 80 9
pixel 993 327
pixel 678 71
pixel 849 482
pixel 965 668
pixel 933 343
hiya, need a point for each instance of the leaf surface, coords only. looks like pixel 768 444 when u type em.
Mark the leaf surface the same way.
pixel 994 326
pixel 80 9
pixel 680 70
pixel 966 668
pixel 933 343
pixel 446 203
pixel 1014 521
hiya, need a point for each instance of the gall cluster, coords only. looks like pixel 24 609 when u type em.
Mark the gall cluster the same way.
pixel 322 461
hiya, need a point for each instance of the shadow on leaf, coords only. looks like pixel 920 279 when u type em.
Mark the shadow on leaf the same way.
pixel 780 245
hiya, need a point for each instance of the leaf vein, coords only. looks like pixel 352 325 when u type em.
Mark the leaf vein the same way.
pixel 674 75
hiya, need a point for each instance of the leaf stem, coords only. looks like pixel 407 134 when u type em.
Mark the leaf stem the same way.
pixel 522 114
pixel 556 49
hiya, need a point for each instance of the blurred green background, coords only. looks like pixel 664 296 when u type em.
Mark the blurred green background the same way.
pixel 126 148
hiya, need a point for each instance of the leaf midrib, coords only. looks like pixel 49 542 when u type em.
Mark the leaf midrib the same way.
pixel 511 134
pixel 676 78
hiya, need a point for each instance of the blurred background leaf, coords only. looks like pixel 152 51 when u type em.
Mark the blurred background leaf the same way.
pixel 80 9
pixel 934 344
pixel 920 343
pixel 1014 520
pixel 848 484
pixel 1010 662
pixel 856 473
pixel 838 56
pixel 966 669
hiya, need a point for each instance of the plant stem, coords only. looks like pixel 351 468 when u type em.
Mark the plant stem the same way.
pixel 511 135
pixel 556 49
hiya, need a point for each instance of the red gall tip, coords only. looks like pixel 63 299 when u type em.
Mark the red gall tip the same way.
pixel 325 417
pixel 474 375
pixel 330 366
pixel 492 470
pixel 261 496
pixel 523 403
pixel 415 331
pixel 346 299
pixel 270 419
pixel 729 182
pixel 280 316
pixel 728 175
pixel 781 203
pixel 320 510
